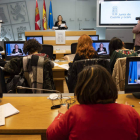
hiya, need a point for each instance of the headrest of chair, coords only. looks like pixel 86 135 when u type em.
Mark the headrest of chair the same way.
pixel 1 48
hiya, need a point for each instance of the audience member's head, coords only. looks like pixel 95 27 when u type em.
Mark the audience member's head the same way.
pixel 84 47
pixel 95 85
pixel 32 46
pixel 115 44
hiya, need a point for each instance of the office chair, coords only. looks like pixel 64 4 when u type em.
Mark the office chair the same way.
pixel 2 84
pixel 47 49
pixel 78 66
pixel 129 46
pixel 73 48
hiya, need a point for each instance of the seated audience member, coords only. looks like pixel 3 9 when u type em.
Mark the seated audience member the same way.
pixel 102 49
pixel 85 49
pixel 97 116
pixel 32 65
pixel 118 50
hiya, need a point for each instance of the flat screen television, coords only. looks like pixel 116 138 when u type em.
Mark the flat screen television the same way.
pixel 132 76
pixel 38 38
pixel 102 47
pixel 118 13
pixel 13 49
pixel 94 37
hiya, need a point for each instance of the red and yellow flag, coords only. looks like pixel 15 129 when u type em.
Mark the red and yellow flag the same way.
pixel 44 19
pixel 37 17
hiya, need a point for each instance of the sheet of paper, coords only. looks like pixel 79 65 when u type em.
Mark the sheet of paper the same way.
pixel 60 36
pixel 55 64
pixel 2 118
pixel 9 110
pixel 64 66
pixel 62 25
pixel 70 56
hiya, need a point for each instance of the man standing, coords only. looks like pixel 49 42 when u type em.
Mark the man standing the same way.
pixel 136 31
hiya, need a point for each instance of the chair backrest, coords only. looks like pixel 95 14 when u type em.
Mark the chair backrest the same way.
pixel 73 48
pixel 78 66
pixel 47 49
pixel 118 74
pixel 2 84
pixel 129 46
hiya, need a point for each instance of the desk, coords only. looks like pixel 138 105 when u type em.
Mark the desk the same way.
pixel 59 76
pixel 49 36
pixel 35 114
pixel 20 137
pixel 60 53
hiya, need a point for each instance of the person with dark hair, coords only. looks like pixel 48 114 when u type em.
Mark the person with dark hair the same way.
pixel 34 65
pixel 102 49
pixel 117 50
pixel 16 50
pixel 59 22
pixel 97 116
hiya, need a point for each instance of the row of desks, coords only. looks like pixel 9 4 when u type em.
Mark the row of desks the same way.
pixel 36 115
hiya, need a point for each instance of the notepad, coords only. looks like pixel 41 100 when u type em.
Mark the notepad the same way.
pixel 9 110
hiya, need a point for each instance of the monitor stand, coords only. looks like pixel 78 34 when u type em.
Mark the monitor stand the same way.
pixel 136 95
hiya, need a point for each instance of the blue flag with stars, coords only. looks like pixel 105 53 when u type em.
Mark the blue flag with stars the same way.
pixel 50 18
pixel 133 72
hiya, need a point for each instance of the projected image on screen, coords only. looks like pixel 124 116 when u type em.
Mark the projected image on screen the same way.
pixel 134 72
pixel 14 50
pixel 102 48
pixel 119 12
pixel 39 39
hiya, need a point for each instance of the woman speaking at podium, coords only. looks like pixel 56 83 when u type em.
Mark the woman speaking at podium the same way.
pixel 60 23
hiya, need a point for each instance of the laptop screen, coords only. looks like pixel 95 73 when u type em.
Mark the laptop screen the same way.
pixel 38 38
pixel 102 48
pixel 134 72
pixel 94 37
pixel 13 49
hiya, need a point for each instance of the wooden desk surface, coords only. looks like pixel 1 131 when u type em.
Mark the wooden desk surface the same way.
pixel 20 137
pixel 36 115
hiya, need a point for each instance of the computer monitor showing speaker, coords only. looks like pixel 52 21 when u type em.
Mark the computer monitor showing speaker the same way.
pixel 38 38
pixel 94 37
pixel 132 77
pixel 102 47
pixel 13 49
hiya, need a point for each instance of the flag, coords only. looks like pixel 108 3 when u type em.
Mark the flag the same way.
pixel 133 72
pixel 50 18
pixel 8 49
pixel 44 19
pixel 37 17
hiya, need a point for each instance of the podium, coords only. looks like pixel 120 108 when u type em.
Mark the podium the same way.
pixel 0 29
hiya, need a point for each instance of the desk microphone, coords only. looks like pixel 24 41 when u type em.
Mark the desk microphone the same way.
pixel 56 91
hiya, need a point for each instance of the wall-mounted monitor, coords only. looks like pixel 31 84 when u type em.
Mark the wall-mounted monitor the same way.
pixel 13 49
pixel 38 38
pixel 117 13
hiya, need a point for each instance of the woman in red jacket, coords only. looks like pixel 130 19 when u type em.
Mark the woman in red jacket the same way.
pixel 97 117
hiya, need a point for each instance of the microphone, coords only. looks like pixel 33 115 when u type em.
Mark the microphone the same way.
pixel 20 87
pixel 52 107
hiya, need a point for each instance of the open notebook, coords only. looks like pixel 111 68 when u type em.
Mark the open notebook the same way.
pixel 6 110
